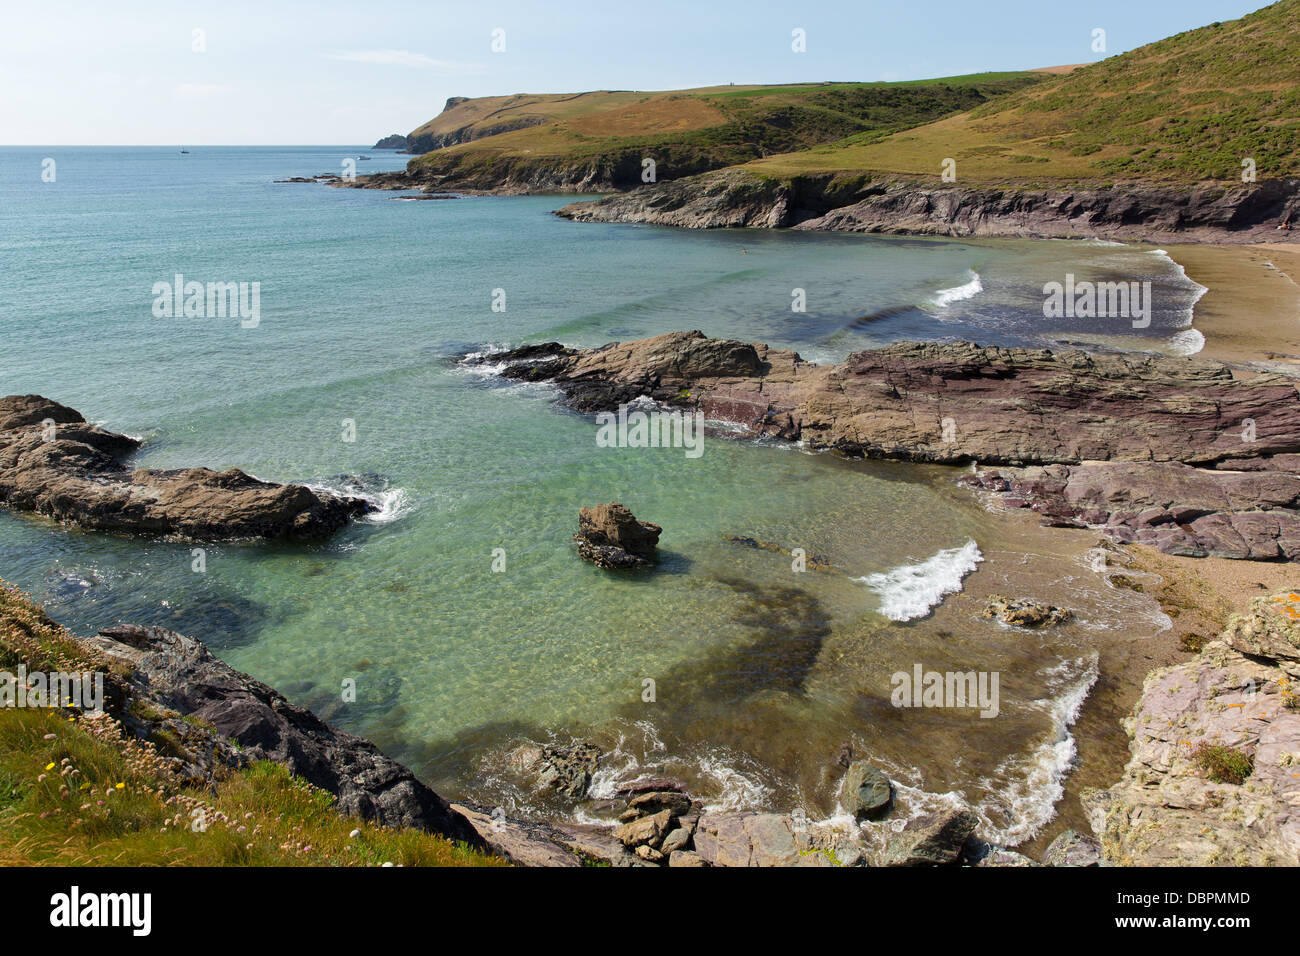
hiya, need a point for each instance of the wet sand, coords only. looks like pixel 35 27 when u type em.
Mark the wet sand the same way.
pixel 1251 312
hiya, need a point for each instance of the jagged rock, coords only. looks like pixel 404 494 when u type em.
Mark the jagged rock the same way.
pixel 1072 849
pixel 936 839
pixel 568 769
pixel 1237 693
pixel 866 792
pixel 1148 448
pixel 176 673
pixel 645 831
pixel 730 198
pixel 70 470
pixel 677 839
pixel 1024 612
pixel 611 537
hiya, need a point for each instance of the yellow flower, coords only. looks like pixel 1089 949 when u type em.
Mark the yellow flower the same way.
pixel 120 786
pixel 50 765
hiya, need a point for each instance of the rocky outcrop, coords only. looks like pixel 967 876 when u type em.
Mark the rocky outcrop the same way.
pixel 866 793
pixel 1148 448
pixel 936 839
pixel 54 463
pixel 1022 612
pixel 1239 694
pixel 391 141
pixel 1072 849
pixel 611 537
pixel 213 705
pixel 736 197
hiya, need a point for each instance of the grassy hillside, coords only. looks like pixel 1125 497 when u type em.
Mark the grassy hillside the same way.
pixel 1185 109
pixel 685 131
pixel 76 791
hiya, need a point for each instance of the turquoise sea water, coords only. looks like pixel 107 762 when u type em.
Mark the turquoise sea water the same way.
pixel 760 673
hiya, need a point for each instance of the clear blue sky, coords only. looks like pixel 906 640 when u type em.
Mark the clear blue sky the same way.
pixel 329 72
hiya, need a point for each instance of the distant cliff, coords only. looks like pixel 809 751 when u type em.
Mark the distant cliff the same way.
pixel 392 141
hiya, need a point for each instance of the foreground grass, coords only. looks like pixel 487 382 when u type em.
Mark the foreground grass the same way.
pixel 74 791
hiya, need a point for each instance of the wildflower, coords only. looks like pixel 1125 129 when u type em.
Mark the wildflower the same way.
pixel 50 765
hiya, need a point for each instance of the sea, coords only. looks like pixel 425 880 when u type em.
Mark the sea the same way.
pixel 456 627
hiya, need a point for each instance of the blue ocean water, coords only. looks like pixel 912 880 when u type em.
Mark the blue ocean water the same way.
pixel 365 300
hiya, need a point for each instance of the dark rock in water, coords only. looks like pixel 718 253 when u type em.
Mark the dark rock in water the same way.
pixel 568 769
pixel 814 562
pixel 936 839
pixel 1025 613
pixel 866 792
pixel 391 141
pixel 1073 849
pixel 651 785
pixel 978 853
pixel 174 672
pixel 53 463
pixel 611 537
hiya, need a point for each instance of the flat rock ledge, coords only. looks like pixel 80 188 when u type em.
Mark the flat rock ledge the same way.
pixel 54 463
pixel 1192 456
pixel 1239 693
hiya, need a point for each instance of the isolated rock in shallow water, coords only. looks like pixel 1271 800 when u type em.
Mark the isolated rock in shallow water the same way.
pixel 611 537
pixel 54 463
pixel 568 769
pixel 1025 613
pixel 866 791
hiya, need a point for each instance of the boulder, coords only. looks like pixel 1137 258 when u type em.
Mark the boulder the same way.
pixel 568 769
pixel 866 792
pixel 611 537
pixel 645 831
pixel 646 804
pixel 1072 849
pixel 936 839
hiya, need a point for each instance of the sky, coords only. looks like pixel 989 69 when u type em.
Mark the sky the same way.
pixel 234 72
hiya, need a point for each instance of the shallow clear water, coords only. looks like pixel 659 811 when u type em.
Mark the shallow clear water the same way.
pixel 760 673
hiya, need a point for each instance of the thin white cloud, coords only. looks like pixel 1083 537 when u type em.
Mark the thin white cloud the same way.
pixel 194 90
pixel 397 58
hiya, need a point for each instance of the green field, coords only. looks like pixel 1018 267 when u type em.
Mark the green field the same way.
pixel 685 131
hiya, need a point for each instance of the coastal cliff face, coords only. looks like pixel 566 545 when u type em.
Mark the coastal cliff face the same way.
pixel 1214 777
pixel 738 198
pixel 1144 448
pixel 54 463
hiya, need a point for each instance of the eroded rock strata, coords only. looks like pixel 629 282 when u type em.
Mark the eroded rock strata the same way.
pixel 54 463
pixel 730 198
pixel 1191 456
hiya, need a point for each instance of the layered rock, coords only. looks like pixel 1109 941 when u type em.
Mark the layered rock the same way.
pixel 1239 694
pixel 611 537
pixel 213 705
pixel 1149 448
pixel 1022 612
pixel 731 198
pixel 54 463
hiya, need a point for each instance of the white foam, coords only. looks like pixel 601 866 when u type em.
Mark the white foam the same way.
pixel 1029 801
pixel 913 590
pixel 946 297
pixel 1186 342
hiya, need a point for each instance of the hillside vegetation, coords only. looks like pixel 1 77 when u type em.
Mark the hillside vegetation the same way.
pixel 607 134
pixel 1185 109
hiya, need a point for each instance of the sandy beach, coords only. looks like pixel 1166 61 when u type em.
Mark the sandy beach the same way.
pixel 1251 312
